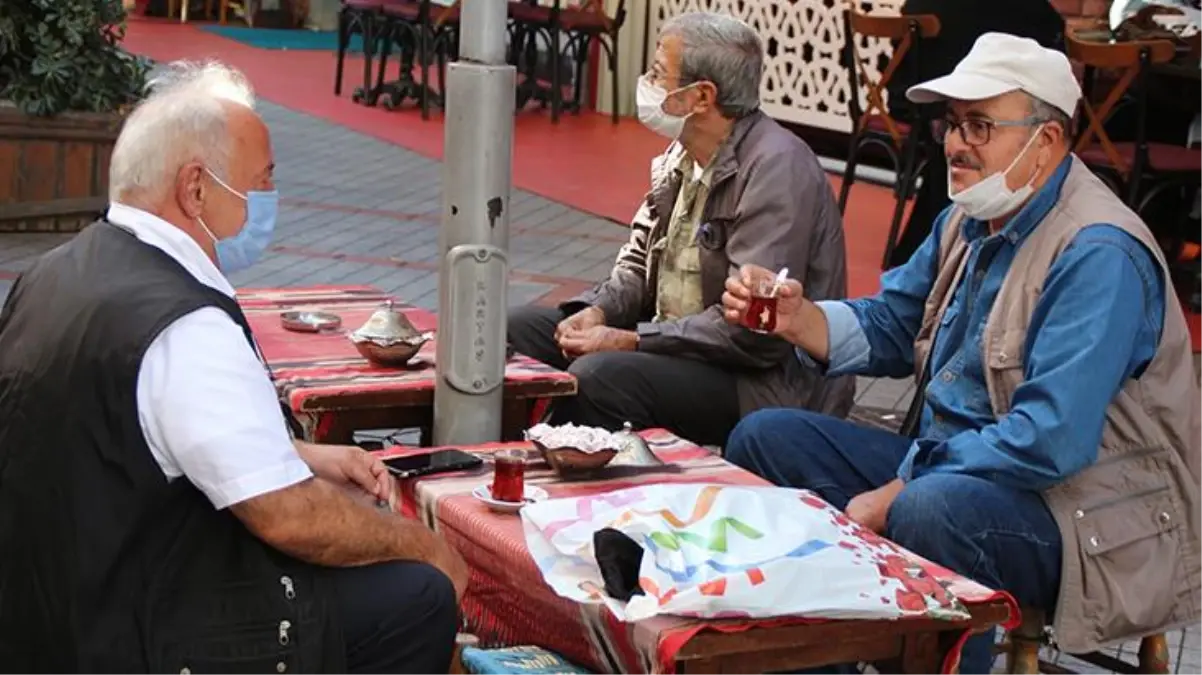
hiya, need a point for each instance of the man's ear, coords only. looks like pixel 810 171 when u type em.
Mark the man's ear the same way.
pixel 707 96
pixel 190 189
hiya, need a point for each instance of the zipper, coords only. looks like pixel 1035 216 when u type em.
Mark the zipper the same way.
pixel 289 589
pixel 285 625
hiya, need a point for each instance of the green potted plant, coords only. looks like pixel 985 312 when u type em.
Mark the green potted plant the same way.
pixel 65 86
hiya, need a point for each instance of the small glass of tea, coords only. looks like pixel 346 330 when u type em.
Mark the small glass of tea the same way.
pixel 761 310
pixel 509 476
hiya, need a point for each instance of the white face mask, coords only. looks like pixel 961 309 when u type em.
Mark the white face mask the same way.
pixel 650 99
pixel 992 198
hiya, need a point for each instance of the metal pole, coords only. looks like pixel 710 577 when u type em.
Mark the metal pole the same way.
pixel 474 269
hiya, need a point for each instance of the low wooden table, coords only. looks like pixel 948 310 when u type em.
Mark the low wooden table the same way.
pixel 333 391
pixel 508 603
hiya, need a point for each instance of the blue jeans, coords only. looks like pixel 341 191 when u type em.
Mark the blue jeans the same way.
pixel 1002 538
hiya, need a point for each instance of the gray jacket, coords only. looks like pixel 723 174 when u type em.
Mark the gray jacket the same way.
pixel 769 204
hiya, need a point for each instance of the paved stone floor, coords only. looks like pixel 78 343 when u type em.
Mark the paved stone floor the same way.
pixel 356 210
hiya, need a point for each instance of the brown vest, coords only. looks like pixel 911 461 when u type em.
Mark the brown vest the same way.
pixel 1129 522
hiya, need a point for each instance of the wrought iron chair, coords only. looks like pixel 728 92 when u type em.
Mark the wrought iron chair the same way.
pixel 873 125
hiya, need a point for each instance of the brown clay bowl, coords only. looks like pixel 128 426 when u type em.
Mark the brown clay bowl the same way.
pixel 573 461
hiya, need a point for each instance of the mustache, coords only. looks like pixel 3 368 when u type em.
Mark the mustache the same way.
pixel 962 160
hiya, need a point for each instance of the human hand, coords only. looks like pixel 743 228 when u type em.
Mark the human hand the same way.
pixel 790 299
pixel 580 321
pixel 349 466
pixel 871 509
pixel 598 339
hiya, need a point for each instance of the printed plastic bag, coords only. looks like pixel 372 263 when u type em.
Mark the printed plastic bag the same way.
pixel 718 551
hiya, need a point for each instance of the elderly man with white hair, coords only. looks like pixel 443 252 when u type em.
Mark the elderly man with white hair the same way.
pixel 155 515
pixel 1057 454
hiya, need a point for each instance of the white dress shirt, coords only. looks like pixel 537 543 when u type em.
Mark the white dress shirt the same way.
pixel 207 407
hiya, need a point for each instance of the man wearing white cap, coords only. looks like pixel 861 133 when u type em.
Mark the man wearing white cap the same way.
pixel 1056 455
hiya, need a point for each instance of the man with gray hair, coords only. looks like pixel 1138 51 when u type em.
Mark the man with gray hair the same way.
pixel 1056 456
pixel 155 516
pixel 648 345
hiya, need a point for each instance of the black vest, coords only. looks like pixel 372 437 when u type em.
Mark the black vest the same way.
pixel 105 566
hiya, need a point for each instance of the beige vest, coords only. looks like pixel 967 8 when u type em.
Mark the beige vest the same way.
pixel 1129 522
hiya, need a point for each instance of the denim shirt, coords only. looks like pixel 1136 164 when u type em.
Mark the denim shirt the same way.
pixel 1096 324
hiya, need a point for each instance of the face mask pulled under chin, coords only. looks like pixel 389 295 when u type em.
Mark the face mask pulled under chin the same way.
pixel 247 247
pixel 992 198
pixel 650 101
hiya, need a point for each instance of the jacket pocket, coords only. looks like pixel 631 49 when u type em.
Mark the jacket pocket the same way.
pixel 1129 551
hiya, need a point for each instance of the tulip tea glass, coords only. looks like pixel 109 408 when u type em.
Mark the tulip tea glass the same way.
pixel 761 310
pixel 509 476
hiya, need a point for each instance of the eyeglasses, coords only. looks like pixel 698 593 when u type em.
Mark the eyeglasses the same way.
pixel 976 131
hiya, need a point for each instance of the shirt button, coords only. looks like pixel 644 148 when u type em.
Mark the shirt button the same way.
pixel 281 667
pixel 1093 541
pixel 185 671
pixel 1164 517
pixel 1078 514
pixel 947 376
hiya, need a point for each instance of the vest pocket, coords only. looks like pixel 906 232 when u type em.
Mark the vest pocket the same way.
pixel 260 647
pixel 1130 561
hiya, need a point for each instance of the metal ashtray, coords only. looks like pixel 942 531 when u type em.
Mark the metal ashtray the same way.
pixel 310 322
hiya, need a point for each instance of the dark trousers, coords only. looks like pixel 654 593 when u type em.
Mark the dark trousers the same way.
pixel 1003 538
pixel 694 400
pixel 397 617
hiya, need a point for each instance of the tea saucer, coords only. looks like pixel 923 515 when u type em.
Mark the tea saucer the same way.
pixel 531 495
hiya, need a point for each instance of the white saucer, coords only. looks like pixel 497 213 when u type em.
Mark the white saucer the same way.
pixel 532 494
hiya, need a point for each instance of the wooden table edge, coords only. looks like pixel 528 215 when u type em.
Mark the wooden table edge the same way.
pixel 712 641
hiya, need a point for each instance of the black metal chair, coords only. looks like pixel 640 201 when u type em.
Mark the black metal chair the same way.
pixel 587 25
pixel 363 18
pixel 872 125
pixel 425 34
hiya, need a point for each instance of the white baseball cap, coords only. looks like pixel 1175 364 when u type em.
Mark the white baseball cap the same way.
pixel 1000 63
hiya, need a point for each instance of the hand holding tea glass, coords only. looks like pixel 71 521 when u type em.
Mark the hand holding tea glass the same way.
pixel 759 300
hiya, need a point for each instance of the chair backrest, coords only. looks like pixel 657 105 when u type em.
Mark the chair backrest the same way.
pixel 438 14
pixel 1128 59
pixel 906 32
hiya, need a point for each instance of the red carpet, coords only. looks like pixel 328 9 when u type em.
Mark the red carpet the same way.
pixel 584 161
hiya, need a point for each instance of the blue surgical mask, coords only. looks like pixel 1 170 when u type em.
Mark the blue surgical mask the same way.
pixel 247 247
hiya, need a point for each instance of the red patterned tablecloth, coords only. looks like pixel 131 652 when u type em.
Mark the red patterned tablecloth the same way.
pixel 507 601
pixel 324 372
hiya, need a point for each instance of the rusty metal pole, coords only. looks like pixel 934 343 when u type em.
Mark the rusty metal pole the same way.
pixel 474 237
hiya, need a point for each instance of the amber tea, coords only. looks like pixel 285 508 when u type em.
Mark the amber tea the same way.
pixel 509 476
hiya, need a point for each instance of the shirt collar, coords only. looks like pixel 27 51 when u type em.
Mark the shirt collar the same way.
pixel 1030 215
pixel 156 232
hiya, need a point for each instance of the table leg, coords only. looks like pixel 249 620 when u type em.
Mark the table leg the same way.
pixel 921 654
pixel 515 418
pixel 334 429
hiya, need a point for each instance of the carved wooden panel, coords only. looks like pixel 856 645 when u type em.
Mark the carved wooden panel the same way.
pixel 804 78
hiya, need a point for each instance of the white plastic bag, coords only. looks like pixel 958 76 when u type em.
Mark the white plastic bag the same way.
pixel 725 551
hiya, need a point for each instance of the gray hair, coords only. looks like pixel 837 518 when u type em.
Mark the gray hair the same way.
pixel 1043 110
pixel 184 118
pixel 723 50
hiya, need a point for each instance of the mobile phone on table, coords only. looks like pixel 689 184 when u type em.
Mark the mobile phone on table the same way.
pixel 426 464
